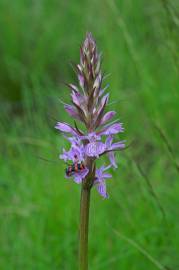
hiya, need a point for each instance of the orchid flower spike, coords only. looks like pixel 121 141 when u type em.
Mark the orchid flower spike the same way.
pixel 88 106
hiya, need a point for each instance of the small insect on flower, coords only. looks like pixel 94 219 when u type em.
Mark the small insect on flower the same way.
pixel 74 168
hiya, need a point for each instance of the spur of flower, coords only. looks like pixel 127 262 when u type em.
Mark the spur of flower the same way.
pixel 89 102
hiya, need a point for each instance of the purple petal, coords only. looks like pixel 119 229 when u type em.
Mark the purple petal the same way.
pixel 92 137
pixel 113 129
pixel 81 80
pixel 77 98
pixel 94 149
pixel 100 110
pixel 107 175
pixel 112 159
pixel 100 180
pixel 113 146
pixel 76 152
pixel 109 140
pixel 64 127
pixel 78 177
pixel 72 111
pixel 101 188
pixel 100 175
pixel 64 156
pixel 118 145
pixel 104 100
pixel 107 117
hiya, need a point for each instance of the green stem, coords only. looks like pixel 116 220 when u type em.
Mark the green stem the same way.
pixel 84 220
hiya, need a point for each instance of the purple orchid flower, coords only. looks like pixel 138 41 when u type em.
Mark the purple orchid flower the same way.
pixel 111 148
pixel 100 180
pixel 79 176
pixel 89 101
pixel 76 152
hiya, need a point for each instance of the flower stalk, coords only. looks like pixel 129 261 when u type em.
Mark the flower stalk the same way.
pixel 88 106
pixel 84 224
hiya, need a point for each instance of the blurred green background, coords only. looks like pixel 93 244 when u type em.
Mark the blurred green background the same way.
pixel 138 227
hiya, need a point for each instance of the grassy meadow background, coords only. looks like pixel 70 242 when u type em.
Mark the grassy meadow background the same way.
pixel 138 227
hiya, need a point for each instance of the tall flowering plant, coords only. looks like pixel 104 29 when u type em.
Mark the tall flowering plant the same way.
pixel 88 106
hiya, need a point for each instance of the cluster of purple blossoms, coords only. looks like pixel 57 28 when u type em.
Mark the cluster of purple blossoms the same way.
pixel 89 102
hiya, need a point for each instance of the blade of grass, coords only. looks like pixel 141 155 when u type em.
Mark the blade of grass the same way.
pixel 141 250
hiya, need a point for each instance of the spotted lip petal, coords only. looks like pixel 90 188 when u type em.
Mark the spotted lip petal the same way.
pixel 94 149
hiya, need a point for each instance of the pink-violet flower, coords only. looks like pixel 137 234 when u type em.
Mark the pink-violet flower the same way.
pixel 100 180
pixel 88 106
